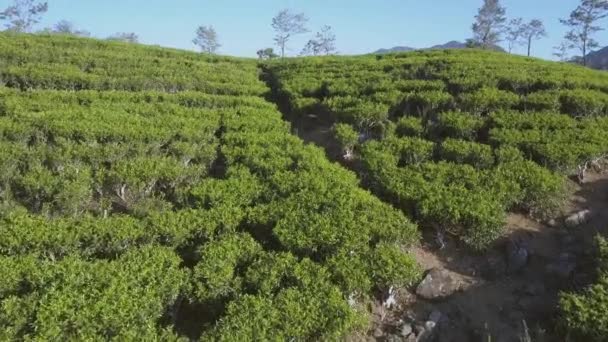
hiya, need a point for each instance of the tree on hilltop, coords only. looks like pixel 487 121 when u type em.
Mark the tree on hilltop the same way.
pixel 207 39
pixel 287 24
pixel 324 43
pixel 22 15
pixel 126 37
pixel 489 24
pixel 583 24
pixel 533 30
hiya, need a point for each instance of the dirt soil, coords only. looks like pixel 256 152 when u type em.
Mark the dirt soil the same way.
pixel 493 302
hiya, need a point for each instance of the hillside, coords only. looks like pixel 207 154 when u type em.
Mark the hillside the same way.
pixel 598 59
pixel 477 147
pixel 156 194
pixel 447 46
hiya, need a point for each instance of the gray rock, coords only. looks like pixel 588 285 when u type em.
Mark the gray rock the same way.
pixel 517 257
pixel 435 316
pixel 394 338
pixel 578 218
pixel 494 267
pixel 561 268
pixel 429 326
pixel 378 332
pixel 534 289
pixel 437 284
pixel 406 330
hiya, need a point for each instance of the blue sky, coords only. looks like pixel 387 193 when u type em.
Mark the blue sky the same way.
pixel 361 26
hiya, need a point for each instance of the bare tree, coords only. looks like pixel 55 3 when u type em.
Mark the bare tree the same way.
pixel 489 24
pixel 126 37
pixel 207 39
pixel 583 24
pixel 324 43
pixel 515 32
pixel 67 28
pixel 23 15
pixel 286 25
pixel 533 30
pixel 561 51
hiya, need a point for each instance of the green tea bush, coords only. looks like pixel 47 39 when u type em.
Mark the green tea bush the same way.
pixel 583 314
pixel 457 125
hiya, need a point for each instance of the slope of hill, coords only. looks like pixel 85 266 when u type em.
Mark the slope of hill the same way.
pixel 462 141
pixel 156 194
pixel 598 59
pixel 447 46
pixel 153 194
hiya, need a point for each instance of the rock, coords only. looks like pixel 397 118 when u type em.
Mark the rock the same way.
pixel 561 268
pixel 517 257
pixel 552 223
pixel 435 316
pixel 534 289
pixel 394 338
pixel 437 284
pixel 429 326
pixel 406 330
pixel 378 332
pixel 578 218
pixel 494 267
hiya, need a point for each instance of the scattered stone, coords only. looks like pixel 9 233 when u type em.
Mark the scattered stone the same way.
pixel 406 330
pixel 435 316
pixel 578 218
pixel 437 284
pixel 429 326
pixel 561 268
pixel 394 338
pixel 552 223
pixel 378 332
pixel 494 267
pixel 517 257
pixel 534 289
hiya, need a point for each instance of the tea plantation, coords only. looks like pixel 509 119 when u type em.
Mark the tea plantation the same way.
pixel 156 194
pixel 456 138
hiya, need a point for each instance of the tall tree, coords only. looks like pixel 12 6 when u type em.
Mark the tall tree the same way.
pixel 324 43
pixel 533 30
pixel 583 24
pixel 515 32
pixel 68 28
pixel 489 24
pixel 287 24
pixel 22 15
pixel 207 39
pixel 127 37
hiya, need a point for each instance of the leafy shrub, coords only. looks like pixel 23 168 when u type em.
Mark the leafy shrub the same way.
pixel 583 103
pixel 488 100
pixel 409 126
pixel 583 314
pixel 457 125
pixel 464 152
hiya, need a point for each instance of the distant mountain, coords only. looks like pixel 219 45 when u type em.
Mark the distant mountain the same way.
pixel 598 59
pixel 449 45
pixel 395 49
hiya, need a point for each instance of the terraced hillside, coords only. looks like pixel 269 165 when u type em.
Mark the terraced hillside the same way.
pixel 152 194
pixel 454 138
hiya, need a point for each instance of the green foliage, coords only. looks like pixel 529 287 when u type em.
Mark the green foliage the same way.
pixel 583 314
pixel 464 152
pixel 488 100
pixel 346 135
pixel 457 125
pixel 409 126
pixel 581 102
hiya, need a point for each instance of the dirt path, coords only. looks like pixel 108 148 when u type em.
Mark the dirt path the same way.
pixel 494 300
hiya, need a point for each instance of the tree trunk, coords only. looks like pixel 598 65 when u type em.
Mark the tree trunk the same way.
pixel 585 53
pixel 283 50
pixel 529 45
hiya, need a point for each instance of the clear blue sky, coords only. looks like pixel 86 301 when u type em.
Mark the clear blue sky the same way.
pixel 361 26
